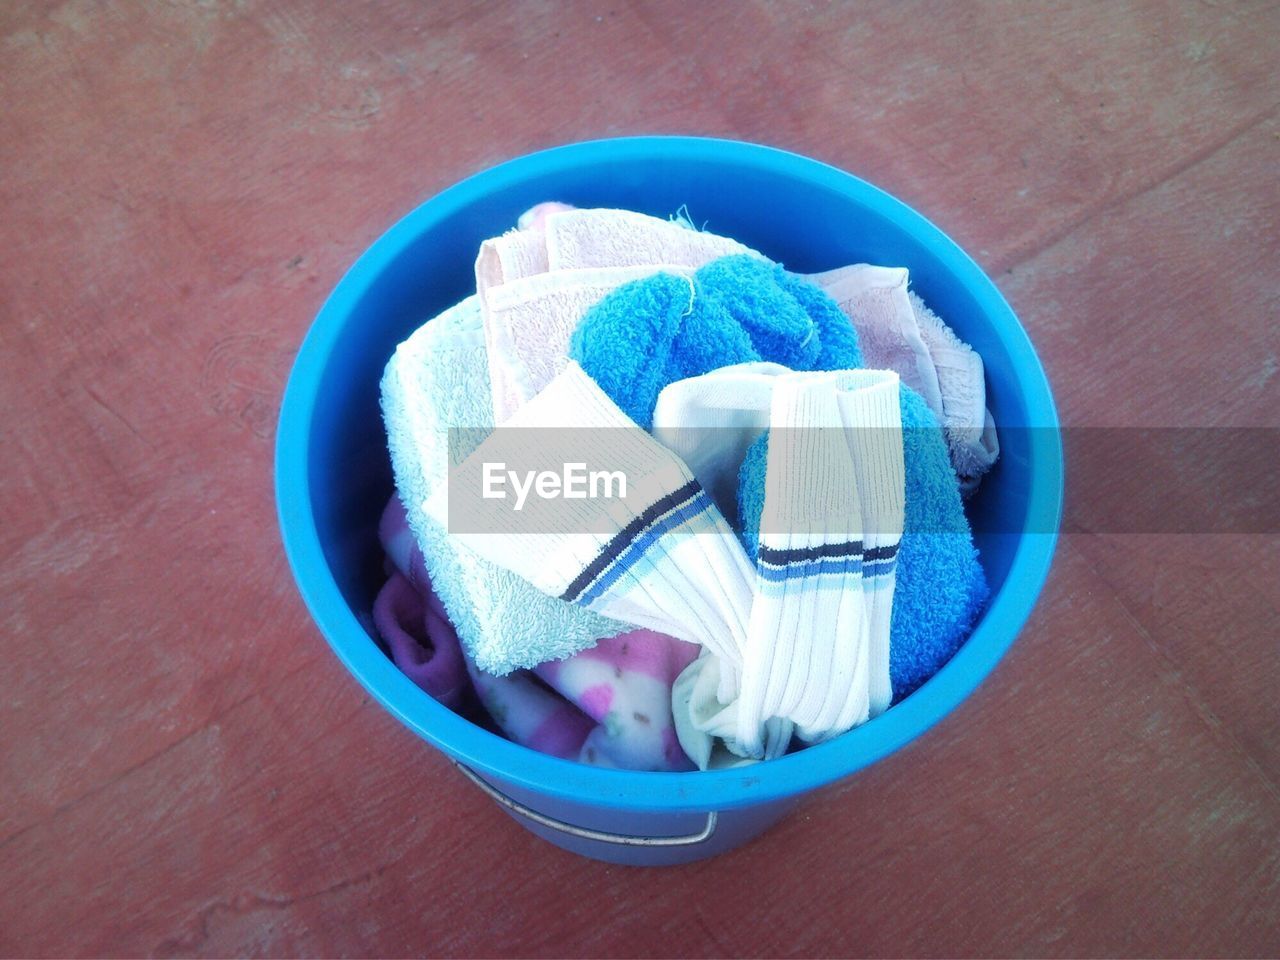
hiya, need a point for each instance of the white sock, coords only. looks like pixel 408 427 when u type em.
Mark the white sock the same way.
pixel 817 649
pixel 872 417
pixel 805 649
pixel 661 557
pixel 711 420
pixel 707 726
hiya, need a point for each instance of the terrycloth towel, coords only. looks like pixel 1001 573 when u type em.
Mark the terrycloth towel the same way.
pixel 626 343
pixel 969 427
pixel 435 403
pixel 606 706
pixel 536 283
pixel 898 332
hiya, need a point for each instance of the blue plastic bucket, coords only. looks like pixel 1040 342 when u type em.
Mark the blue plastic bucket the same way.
pixel 333 475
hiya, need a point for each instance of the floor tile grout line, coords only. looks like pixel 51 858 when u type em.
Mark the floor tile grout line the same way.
pixel 69 805
pixel 1203 710
pixel 1190 162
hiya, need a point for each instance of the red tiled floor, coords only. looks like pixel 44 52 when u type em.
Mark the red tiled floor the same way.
pixel 185 768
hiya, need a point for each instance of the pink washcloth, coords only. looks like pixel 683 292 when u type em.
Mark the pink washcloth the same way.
pixel 875 300
pixel 528 323
pixel 896 331
pixel 536 283
pixel 967 423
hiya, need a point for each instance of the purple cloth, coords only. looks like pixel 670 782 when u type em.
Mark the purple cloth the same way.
pixel 422 642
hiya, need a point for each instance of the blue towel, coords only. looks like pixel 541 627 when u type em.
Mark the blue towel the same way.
pixel 653 332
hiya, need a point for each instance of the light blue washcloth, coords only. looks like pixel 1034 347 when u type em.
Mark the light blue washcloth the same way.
pixel 438 379
pixel 652 332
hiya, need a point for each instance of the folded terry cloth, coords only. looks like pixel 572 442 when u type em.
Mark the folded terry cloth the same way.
pixel 969 427
pixel 554 237
pixel 606 706
pixel 898 332
pixel 536 283
pixel 435 403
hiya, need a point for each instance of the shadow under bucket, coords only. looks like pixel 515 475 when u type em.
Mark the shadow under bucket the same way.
pixel 333 475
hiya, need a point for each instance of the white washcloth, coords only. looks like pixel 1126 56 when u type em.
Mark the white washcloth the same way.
pixel 435 405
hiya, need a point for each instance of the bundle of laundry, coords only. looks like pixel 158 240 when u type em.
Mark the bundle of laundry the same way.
pixel 799 641
pixel 796 515
pixel 536 284
pixel 447 616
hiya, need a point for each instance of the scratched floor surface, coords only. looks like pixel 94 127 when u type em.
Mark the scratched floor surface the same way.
pixel 186 769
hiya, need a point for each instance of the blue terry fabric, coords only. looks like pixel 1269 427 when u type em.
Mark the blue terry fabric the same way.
pixel 940 587
pixel 837 340
pixel 653 332
pixel 664 328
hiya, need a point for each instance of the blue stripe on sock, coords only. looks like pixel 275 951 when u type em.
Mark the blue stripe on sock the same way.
pixel 698 505
pixel 615 546
pixel 809 568
pixel 879 568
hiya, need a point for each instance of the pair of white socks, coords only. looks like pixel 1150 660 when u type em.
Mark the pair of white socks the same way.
pixel 800 639
pixel 818 641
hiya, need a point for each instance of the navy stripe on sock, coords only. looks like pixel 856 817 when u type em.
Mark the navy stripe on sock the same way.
pixel 881 553
pixel 699 505
pixel 781 557
pixel 622 539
